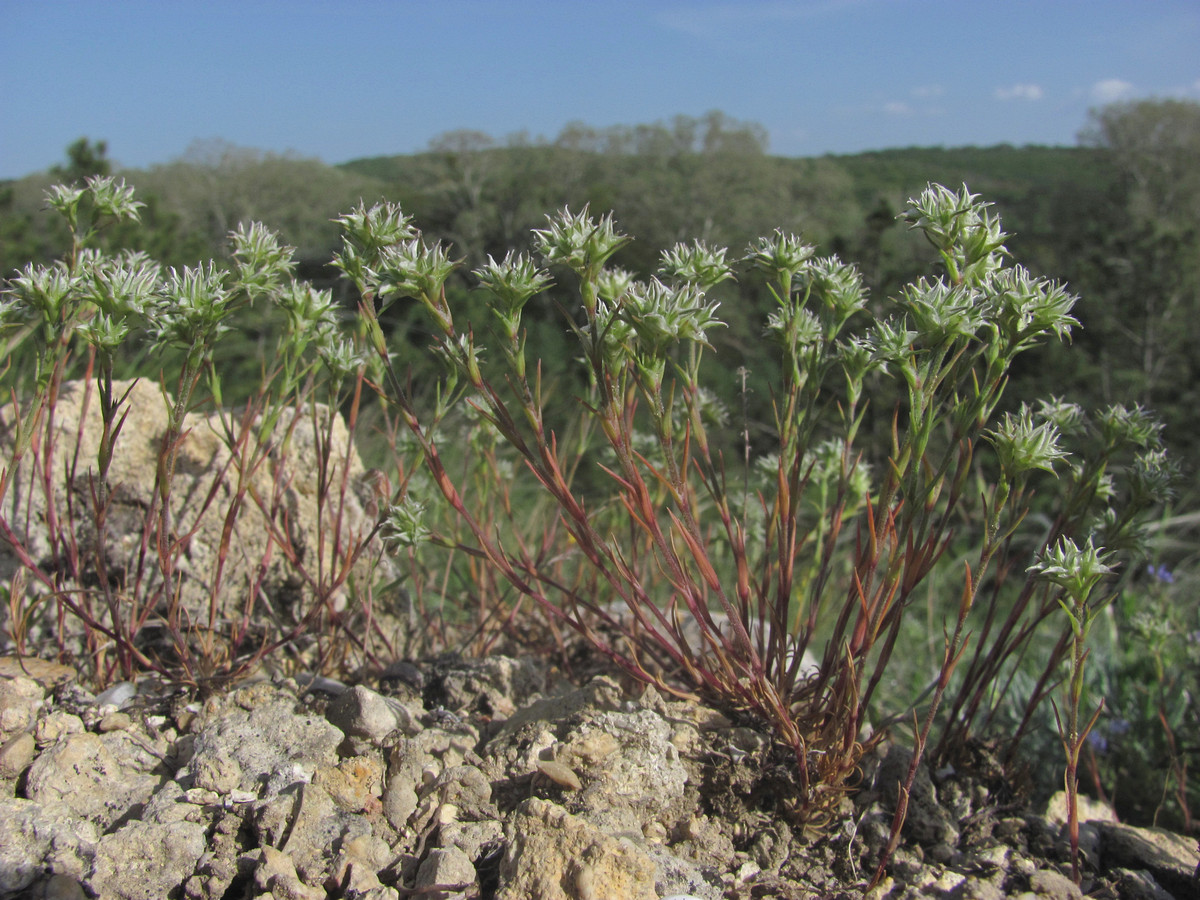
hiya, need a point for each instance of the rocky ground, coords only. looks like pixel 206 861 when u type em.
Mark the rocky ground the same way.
pixel 482 779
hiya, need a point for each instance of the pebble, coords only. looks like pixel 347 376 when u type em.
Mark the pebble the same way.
pixel 560 774
pixel 117 695
pixel 117 721
pixel 16 755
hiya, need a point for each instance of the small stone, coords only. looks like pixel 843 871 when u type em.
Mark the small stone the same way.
pixel 353 782
pixel 355 871
pixel 100 777
pixel 62 887
pixel 116 696
pixel 448 866
pixel 548 847
pixel 265 749
pixel 941 853
pixel 1170 858
pixel 1089 810
pixel 201 796
pixel 1139 886
pixel 185 718
pixel 362 713
pixel 39 670
pixel 55 726
pixel 946 884
pixel 399 802
pixel 1008 828
pixel 145 860
pixel 20 698
pixel 16 755
pixel 475 839
pixel 591 749
pixel 1054 885
pixel 560 774
pixel 747 870
pixel 276 876
pixel 35 839
pixel 117 721
pixel 978 889
pixel 468 789
pixel 996 857
pixel 654 832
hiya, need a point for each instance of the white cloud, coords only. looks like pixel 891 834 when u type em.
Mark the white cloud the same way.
pixel 926 91
pixel 1111 90
pixel 897 108
pixel 1020 92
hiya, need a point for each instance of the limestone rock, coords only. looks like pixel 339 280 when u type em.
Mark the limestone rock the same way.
pixel 35 840
pixel 304 821
pixel 927 820
pixel 146 861
pixel 356 868
pixel 1170 858
pixel 362 713
pixel 16 754
pixel 494 687
pixel 99 777
pixel 1089 809
pixel 20 699
pixel 445 867
pixel 600 693
pixel 631 772
pixel 54 727
pixel 206 468
pixel 475 839
pixel 263 750
pixel 553 855
pixel 276 877
pixel 354 784
pixel 1054 885
pixel 1139 886
pixel 43 671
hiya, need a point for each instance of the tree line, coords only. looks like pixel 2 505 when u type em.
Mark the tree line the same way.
pixel 1115 216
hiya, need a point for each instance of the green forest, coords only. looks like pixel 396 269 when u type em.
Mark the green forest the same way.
pixel 1114 217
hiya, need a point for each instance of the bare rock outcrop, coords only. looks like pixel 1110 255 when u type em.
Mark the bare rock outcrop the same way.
pixel 269 791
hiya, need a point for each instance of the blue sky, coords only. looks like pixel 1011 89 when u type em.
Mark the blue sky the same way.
pixel 342 79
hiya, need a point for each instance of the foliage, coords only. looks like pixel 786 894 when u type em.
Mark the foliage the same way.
pixel 757 438
pixel 1085 214
pixel 84 159
pixel 1076 572
pixel 126 585
pixel 724 588
pixel 1139 753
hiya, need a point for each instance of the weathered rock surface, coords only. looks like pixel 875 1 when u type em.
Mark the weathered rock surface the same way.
pixel 557 856
pixel 203 490
pixel 260 750
pixel 579 794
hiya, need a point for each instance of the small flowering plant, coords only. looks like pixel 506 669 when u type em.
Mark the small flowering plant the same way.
pixel 1076 572
pixel 776 585
pixel 78 319
pixel 720 591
